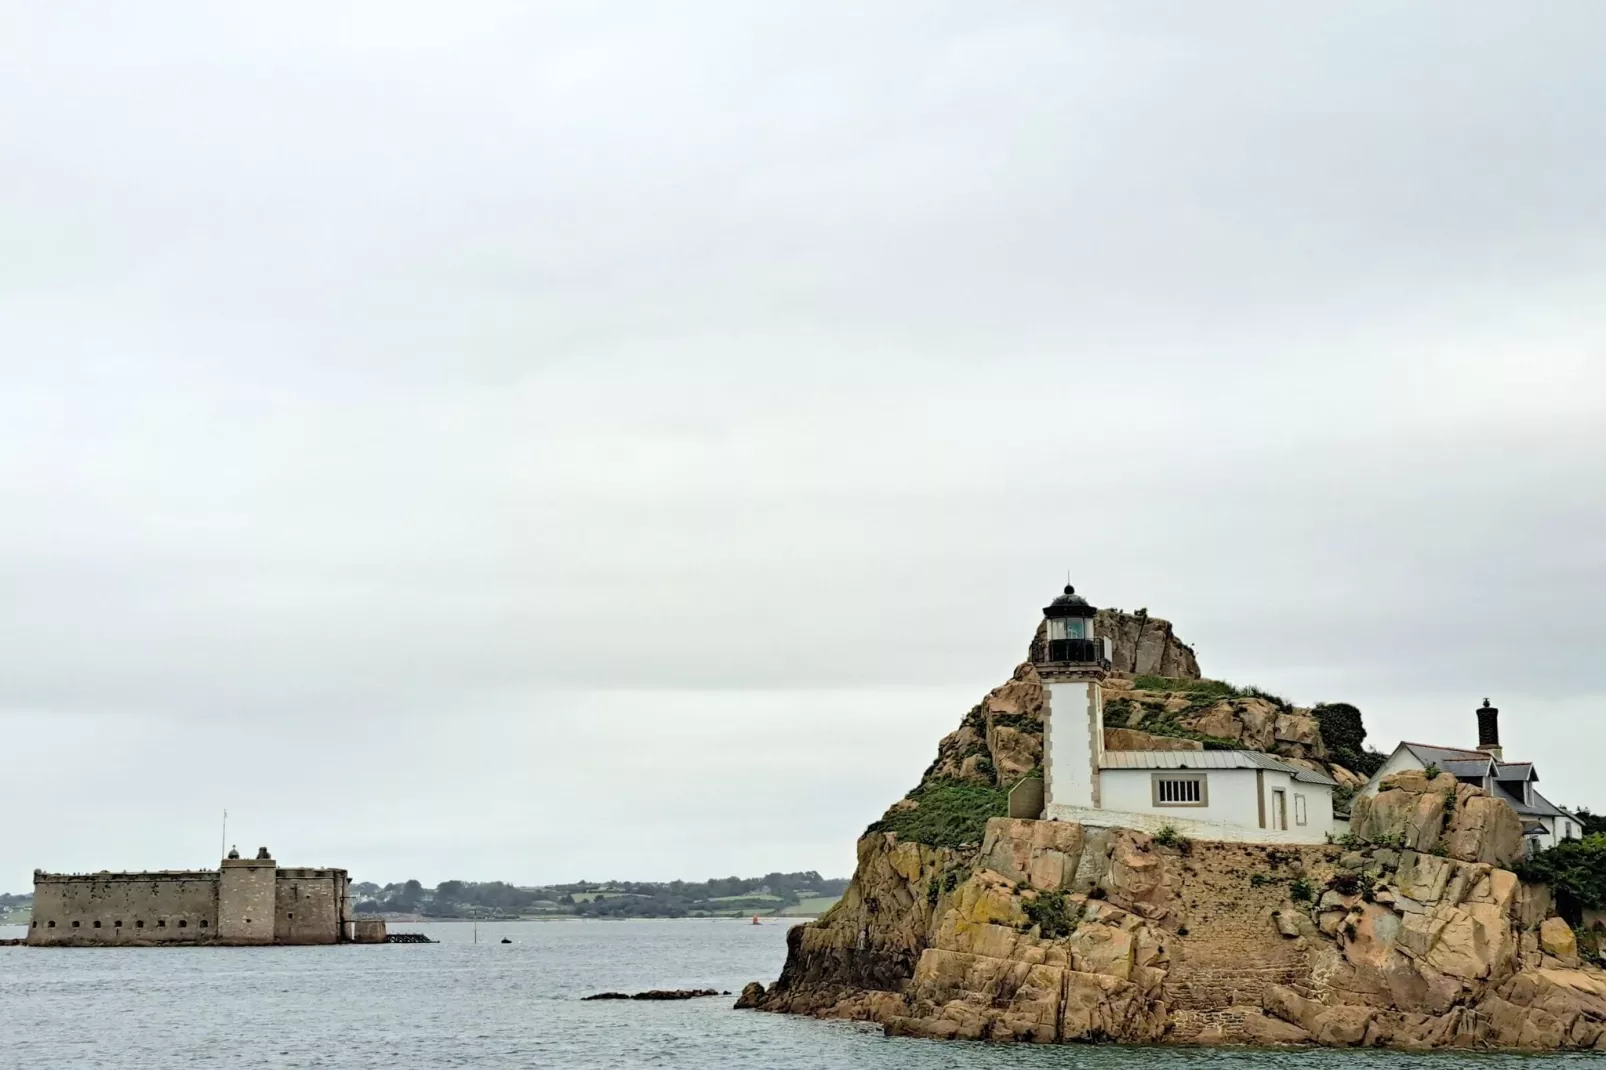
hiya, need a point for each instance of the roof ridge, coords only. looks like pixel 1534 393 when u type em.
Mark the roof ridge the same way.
pixel 1459 750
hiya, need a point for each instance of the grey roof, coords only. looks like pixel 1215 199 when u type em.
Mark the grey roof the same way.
pixel 1542 805
pixel 1470 763
pixel 1210 759
pixel 1431 755
pixel 1515 771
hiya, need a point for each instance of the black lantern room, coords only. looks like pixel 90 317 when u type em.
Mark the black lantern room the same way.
pixel 1070 629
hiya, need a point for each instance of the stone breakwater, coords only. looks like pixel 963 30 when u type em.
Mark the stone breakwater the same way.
pixel 1049 931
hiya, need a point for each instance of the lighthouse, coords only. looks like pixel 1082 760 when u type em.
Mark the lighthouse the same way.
pixel 1074 666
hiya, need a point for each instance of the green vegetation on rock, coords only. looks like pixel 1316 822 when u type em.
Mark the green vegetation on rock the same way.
pixel 1158 722
pixel 1345 736
pixel 1051 914
pixel 1576 873
pixel 1212 689
pixel 947 813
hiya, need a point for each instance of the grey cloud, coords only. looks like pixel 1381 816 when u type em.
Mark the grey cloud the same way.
pixel 371 370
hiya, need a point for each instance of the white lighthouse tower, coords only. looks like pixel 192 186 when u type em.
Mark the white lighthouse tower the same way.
pixel 1074 667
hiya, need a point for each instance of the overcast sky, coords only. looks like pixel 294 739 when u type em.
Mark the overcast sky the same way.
pixel 544 441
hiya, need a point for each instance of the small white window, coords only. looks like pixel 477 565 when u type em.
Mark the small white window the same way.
pixel 1299 809
pixel 1180 790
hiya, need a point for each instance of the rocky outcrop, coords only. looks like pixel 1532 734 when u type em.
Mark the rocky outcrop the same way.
pixel 1145 645
pixel 1140 645
pixel 1001 738
pixel 659 994
pixel 1054 932
pixel 1132 739
pixel 1049 931
pixel 1439 815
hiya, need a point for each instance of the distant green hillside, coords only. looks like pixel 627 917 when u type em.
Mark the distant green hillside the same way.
pixel 774 894
pixel 15 909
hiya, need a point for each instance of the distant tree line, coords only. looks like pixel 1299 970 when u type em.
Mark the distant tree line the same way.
pixel 607 899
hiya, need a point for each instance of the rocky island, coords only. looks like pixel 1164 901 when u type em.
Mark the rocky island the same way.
pixel 1412 930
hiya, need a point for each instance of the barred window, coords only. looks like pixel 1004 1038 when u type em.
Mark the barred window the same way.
pixel 1180 789
pixel 1177 791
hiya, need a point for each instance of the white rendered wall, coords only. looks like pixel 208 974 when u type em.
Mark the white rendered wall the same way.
pixel 1232 795
pixel 1127 801
pixel 1072 740
pixel 1558 829
pixel 1193 829
pixel 1398 762
pixel 1319 807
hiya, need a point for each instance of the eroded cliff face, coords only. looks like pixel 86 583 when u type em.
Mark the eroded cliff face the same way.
pixel 1054 932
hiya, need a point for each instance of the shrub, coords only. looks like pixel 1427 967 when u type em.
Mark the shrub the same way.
pixel 951 813
pixel 1345 884
pixel 1576 873
pixel 1168 836
pixel 1260 880
pixel 1345 735
pixel 1116 711
pixel 1300 890
pixel 932 891
pixel 1049 912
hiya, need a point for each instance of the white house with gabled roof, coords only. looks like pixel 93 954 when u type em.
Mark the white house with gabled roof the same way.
pixel 1544 824
pixel 1238 795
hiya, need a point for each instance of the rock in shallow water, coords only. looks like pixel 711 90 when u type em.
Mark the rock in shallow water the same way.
pixel 660 993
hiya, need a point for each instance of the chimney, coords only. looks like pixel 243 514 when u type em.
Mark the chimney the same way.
pixel 1489 731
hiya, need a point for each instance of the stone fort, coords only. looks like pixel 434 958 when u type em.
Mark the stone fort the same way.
pixel 244 901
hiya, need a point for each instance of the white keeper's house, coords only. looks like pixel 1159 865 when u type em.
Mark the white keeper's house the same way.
pixel 1239 795
pixel 1544 824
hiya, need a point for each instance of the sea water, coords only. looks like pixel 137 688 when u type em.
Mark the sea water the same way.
pixel 489 1005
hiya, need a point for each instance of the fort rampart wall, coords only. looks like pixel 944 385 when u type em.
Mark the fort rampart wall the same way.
pixel 246 901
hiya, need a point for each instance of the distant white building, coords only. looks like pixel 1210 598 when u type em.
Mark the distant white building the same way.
pixel 1544 824
pixel 1238 795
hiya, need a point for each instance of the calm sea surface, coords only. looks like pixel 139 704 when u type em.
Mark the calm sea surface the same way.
pixel 461 1004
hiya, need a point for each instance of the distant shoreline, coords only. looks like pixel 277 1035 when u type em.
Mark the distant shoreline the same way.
pixel 745 919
